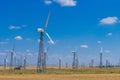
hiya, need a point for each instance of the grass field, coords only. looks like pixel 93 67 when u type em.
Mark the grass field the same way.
pixel 61 77
pixel 53 73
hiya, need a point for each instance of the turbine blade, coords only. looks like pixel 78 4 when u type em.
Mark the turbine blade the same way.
pixel 101 49
pixel 14 47
pixel 14 54
pixel 6 60
pixel 51 41
pixel 46 24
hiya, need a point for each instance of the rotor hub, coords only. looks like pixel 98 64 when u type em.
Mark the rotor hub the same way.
pixel 40 30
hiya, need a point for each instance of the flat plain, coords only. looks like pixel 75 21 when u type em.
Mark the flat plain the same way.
pixel 62 74
pixel 61 77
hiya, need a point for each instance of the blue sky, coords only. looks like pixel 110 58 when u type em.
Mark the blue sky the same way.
pixel 85 25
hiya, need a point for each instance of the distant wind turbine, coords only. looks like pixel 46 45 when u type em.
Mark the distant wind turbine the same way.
pixel 12 58
pixel 101 54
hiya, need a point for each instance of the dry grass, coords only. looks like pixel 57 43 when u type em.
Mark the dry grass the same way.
pixel 53 73
pixel 61 77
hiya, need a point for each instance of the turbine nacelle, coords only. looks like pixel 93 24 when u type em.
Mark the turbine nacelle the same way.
pixel 40 30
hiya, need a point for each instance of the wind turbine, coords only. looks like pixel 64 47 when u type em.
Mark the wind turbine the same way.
pixel 75 59
pixel 5 63
pixel 101 52
pixel 45 57
pixel 59 63
pixel 12 58
pixel 41 55
pixel 25 58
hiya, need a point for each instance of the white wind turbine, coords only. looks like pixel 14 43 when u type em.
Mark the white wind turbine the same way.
pixel 12 58
pixel 41 55
pixel 5 63
pixel 101 54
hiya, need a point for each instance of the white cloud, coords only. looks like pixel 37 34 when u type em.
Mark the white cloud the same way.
pixel 27 50
pixel 24 26
pixel 109 20
pixel 28 39
pixel 107 51
pixel 3 42
pixel 84 46
pixel 109 34
pixel 66 2
pixel 18 38
pixel 7 39
pixel 48 2
pixel 99 42
pixel 2 53
pixel 14 27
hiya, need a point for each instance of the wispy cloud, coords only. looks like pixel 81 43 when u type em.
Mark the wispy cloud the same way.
pixel 48 2
pixel 84 46
pixel 7 39
pixel 62 2
pixel 18 38
pixel 109 34
pixel 107 51
pixel 66 2
pixel 1 43
pixel 28 39
pixel 2 53
pixel 27 50
pixel 109 20
pixel 99 42
pixel 12 27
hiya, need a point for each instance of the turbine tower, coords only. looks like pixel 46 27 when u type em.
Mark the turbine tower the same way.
pixel 42 55
pixel 12 58
pixel 25 59
pixel 75 60
pixel 101 51
pixel 92 62
pixel 5 63
pixel 107 63
pixel 59 63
